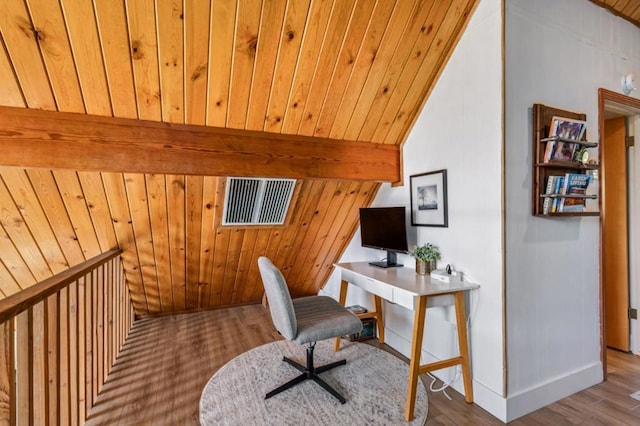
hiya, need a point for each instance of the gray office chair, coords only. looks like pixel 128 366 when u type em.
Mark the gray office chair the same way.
pixel 305 321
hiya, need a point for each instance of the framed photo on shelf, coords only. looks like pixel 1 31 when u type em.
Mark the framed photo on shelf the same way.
pixel 429 199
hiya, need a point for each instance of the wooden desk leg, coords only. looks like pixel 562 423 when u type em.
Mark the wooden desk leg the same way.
pixel 343 299
pixel 416 349
pixel 464 346
pixel 379 318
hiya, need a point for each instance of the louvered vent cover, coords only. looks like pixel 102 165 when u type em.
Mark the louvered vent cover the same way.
pixel 257 201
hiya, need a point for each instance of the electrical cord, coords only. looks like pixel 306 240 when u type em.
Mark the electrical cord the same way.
pixel 458 372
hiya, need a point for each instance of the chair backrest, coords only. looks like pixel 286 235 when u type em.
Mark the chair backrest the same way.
pixel 280 304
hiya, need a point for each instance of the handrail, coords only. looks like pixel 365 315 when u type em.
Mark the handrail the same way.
pixel 23 300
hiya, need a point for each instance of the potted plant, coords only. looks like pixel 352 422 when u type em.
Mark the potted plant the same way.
pixel 426 256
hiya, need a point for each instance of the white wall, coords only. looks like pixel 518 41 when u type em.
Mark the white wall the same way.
pixel 459 130
pixel 558 54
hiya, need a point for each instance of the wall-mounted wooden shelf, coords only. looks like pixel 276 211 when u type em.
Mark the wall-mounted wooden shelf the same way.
pixel 543 168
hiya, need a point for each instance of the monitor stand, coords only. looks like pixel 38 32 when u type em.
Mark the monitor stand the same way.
pixel 389 263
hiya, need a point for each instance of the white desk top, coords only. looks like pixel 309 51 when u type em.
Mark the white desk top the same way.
pixel 406 279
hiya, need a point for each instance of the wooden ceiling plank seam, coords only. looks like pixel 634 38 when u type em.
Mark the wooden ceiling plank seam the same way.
pixel 398 103
pixel 215 285
pixel 366 196
pixel 14 262
pixel 231 265
pixel 243 65
pixel 409 59
pixel 222 29
pixel 294 116
pixel 323 227
pixel 366 62
pixel 632 11
pixel 139 210
pixel 451 43
pixel 141 19
pixel 176 205
pixel 10 91
pixel 338 87
pixel 329 62
pixel 196 47
pixel 245 264
pixel 94 193
pixel 254 280
pixel 76 207
pixel 207 239
pixel 17 231
pixel 299 227
pixel 417 96
pixel 81 26
pixel 123 225
pixel 157 202
pixel 621 5
pixel 8 284
pixel 289 52
pixel 55 46
pixel 113 33
pixel 27 203
pixel 321 248
pixel 391 42
pixel 193 214
pixel 350 222
pixel 219 260
pixel 313 225
pixel 254 289
pixel 316 19
pixel 46 189
pixel 170 42
pixel 269 35
pixel 18 34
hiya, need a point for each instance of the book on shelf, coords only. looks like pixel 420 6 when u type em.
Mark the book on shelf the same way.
pixel 548 201
pixel 564 128
pixel 574 184
pixel 557 189
pixel 356 309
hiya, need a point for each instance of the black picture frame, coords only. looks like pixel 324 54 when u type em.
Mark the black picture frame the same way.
pixel 429 199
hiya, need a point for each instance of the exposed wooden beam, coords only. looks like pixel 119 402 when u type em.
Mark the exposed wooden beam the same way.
pixel 57 140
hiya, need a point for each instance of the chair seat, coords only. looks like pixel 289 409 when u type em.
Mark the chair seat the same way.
pixel 321 317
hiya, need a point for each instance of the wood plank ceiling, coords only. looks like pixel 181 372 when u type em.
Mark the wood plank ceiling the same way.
pixel 626 9
pixel 357 70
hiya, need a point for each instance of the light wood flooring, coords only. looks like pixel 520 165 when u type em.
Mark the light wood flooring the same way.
pixel 166 362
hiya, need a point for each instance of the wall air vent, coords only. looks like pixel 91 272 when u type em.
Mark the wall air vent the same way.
pixel 257 201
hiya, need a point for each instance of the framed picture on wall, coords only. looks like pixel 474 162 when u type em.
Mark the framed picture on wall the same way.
pixel 429 199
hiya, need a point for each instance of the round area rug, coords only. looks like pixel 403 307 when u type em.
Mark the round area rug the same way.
pixel 373 382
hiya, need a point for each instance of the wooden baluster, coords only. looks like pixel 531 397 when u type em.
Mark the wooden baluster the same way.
pixel 24 367
pixel 82 333
pixel 39 386
pixel 7 377
pixel 64 394
pixel 53 328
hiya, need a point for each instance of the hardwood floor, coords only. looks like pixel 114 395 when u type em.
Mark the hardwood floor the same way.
pixel 166 362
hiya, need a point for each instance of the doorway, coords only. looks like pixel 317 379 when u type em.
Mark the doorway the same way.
pixel 616 122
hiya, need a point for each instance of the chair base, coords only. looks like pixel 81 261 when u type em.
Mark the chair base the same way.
pixel 309 373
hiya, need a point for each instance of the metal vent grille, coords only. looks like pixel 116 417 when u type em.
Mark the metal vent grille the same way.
pixel 257 201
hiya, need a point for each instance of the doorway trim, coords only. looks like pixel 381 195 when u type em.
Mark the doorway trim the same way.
pixel 632 106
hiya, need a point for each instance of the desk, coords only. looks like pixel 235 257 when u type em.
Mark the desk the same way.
pixel 404 287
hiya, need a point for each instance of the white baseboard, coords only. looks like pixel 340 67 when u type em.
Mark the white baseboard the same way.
pixel 513 407
pixel 483 396
pixel 532 399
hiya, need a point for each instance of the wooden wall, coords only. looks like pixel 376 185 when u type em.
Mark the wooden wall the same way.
pixel 175 256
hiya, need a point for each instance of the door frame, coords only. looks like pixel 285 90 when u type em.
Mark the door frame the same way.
pixel 632 106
